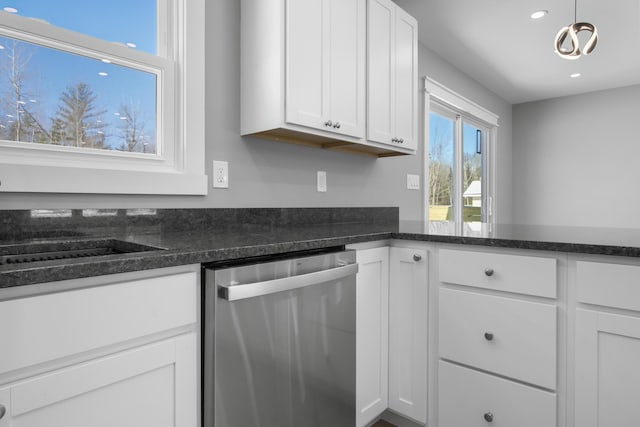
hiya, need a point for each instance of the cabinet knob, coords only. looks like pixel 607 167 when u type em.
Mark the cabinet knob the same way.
pixel 3 411
pixel 417 257
pixel 328 123
pixel 337 125
pixel 488 417
pixel 488 336
pixel 488 272
pixel 401 141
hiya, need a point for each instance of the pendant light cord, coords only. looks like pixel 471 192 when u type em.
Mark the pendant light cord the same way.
pixel 575 11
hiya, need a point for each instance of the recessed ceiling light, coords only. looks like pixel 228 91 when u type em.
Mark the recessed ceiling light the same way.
pixel 539 14
pixel 1 47
pixel 10 9
pixel 102 74
pixel 131 44
pixel 106 61
pixel 575 75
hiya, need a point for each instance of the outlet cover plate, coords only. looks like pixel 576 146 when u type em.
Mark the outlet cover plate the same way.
pixel 220 174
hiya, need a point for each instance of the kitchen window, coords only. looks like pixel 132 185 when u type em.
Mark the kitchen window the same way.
pixel 102 97
pixel 460 140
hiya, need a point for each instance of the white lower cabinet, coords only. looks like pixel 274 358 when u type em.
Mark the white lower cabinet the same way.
pixel 391 330
pixel 119 350
pixel 607 344
pixel 497 348
pixel 408 293
pixel 372 333
pixel 469 398
pixel 144 386
pixel 607 370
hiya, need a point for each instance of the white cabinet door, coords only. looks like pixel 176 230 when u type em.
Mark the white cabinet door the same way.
pixel 372 329
pixel 607 371
pixel 406 80
pixel 325 65
pixel 408 332
pixel 392 75
pixel 154 385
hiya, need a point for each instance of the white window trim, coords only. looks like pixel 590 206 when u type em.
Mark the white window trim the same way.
pixel 179 169
pixel 440 93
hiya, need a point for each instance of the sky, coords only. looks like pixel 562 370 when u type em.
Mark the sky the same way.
pixel 50 72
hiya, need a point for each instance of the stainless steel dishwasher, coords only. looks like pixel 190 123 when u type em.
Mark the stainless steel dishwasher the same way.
pixel 279 345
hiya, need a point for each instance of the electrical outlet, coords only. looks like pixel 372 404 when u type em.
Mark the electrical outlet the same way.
pixel 220 174
pixel 322 181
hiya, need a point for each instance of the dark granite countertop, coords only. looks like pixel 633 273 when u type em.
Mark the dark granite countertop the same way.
pixel 204 237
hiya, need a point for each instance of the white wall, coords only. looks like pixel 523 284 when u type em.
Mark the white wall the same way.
pixel 576 160
pixel 272 174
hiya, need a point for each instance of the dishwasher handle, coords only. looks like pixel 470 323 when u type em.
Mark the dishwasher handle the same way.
pixel 256 289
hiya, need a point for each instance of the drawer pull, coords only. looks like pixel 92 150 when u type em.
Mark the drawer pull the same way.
pixel 488 272
pixel 417 257
pixel 488 336
pixel 3 410
pixel 488 417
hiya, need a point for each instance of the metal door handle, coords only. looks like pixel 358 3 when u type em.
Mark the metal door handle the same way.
pixel 488 272
pixel 488 417
pixel 256 289
pixel 417 257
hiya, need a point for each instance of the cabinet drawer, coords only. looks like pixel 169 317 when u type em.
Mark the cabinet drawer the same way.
pixel 511 273
pixel 510 337
pixel 611 285
pixel 466 397
pixel 47 327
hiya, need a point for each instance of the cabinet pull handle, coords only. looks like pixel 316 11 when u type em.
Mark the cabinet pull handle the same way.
pixel 401 141
pixel 488 272
pixel 488 336
pixel 3 411
pixel 488 417
pixel 328 123
pixel 337 125
pixel 417 257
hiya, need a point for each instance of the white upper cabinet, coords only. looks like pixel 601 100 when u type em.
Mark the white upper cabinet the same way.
pixel 392 44
pixel 325 65
pixel 304 76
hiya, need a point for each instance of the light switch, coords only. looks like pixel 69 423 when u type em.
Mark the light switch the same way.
pixel 413 182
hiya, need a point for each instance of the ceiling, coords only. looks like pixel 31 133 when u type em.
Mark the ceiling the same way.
pixel 500 46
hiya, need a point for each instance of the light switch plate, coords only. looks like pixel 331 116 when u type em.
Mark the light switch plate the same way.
pixel 322 181
pixel 220 174
pixel 413 182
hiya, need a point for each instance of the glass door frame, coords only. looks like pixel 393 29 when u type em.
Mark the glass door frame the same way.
pixel 443 101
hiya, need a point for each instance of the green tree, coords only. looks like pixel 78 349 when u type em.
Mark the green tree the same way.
pixel 78 122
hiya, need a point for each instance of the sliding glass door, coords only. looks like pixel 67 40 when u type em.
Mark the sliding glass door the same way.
pixel 457 187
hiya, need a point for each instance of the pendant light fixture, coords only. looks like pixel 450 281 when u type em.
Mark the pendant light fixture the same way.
pixel 571 32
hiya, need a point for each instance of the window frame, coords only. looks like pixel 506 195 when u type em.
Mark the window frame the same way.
pixel 446 100
pixel 178 167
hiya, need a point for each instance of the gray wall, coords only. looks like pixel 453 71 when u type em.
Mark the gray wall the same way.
pixel 576 160
pixel 272 174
